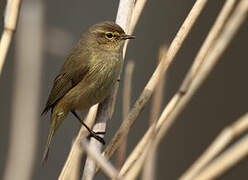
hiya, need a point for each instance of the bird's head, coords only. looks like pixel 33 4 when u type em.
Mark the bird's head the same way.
pixel 107 36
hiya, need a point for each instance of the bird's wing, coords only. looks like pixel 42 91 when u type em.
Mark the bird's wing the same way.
pixel 62 84
pixel 73 71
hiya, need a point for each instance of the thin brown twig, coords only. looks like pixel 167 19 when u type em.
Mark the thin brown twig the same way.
pixel 218 145
pixel 126 106
pixel 162 67
pixel 10 21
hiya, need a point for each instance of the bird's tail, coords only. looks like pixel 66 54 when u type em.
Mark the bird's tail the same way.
pixel 58 116
pixel 49 139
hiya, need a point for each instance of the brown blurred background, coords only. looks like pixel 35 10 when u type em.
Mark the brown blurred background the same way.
pixel 220 100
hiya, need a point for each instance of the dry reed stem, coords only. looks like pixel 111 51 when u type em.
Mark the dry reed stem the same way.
pixel 138 8
pixel 214 32
pixel 229 30
pixel 149 171
pixel 162 67
pixel 72 165
pixel 97 157
pixel 150 166
pixel 100 126
pixel 227 159
pixel 211 38
pixel 218 145
pixel 137 152
pixel 125 109
pixel 71 169
pixel 158 92
pixel 10 21
pixel 176 103
pixel 25 115
pixel 132 158
pixel 106 108
pixel 137 166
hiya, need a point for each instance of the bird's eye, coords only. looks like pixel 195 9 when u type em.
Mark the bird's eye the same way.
pixel 109 35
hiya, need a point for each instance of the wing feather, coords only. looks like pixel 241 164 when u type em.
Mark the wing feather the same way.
pixel 72 72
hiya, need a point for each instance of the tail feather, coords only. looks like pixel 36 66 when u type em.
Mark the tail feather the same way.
pixel 58 115
pixel 46 152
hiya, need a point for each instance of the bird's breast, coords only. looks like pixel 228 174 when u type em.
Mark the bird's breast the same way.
pixel 100 80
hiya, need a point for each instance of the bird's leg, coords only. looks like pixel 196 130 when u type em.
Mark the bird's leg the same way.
pixel 92 133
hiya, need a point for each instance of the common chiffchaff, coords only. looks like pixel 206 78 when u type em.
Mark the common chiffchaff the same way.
pixel 87 76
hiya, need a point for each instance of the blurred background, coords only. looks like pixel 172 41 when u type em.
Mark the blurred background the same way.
pixel 46 32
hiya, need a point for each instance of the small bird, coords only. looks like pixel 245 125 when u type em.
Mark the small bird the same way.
pixel 87 76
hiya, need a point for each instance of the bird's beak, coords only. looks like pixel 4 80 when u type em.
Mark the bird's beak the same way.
pixel 125 36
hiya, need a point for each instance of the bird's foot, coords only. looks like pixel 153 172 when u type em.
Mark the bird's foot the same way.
pixel 96 136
